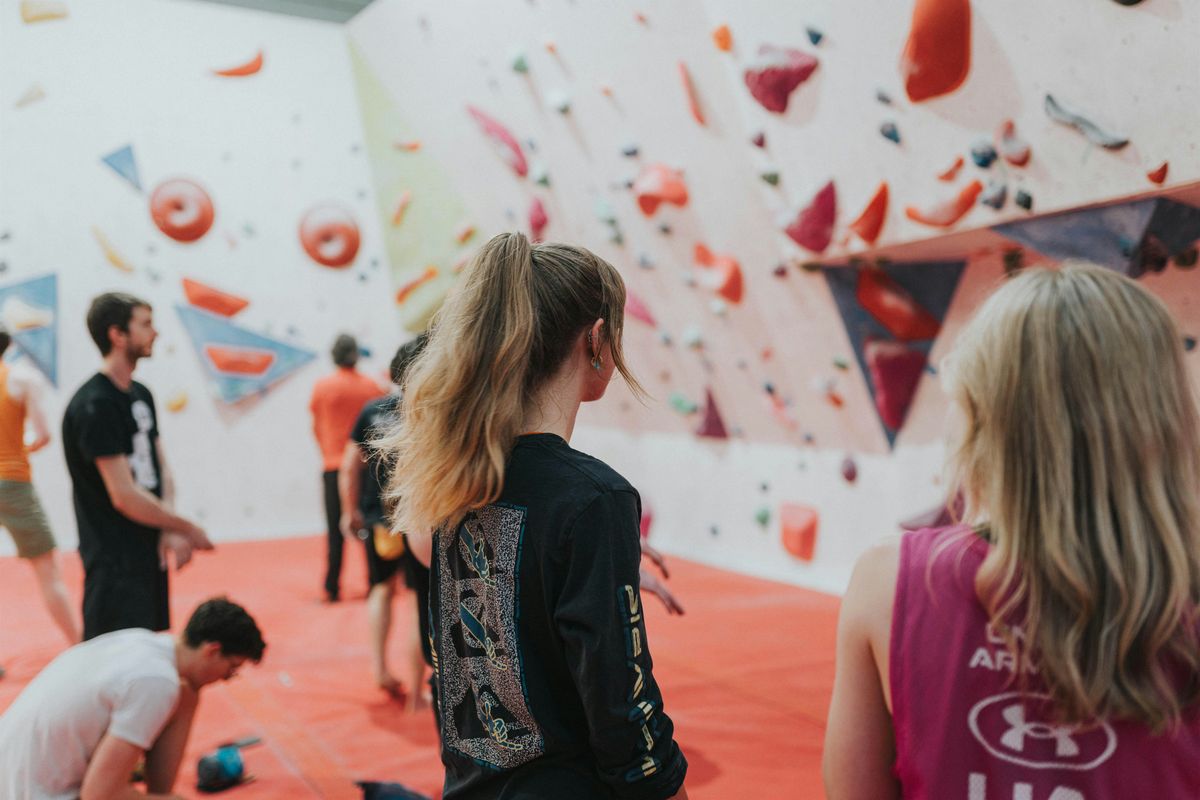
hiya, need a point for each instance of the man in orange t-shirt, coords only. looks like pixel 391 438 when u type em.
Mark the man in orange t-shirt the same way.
pixel 337 400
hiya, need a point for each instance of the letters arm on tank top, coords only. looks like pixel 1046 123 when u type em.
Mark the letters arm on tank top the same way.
pixel 859 742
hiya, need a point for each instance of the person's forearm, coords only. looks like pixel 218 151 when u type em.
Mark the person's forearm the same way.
pixel 164 758
pixel 350 485
pixel 143 507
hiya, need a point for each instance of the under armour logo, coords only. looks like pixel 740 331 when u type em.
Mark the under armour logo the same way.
pixel 1014 737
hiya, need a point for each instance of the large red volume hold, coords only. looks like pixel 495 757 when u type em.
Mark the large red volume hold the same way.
pixel 893 307
pixel 946 214
pixel 813 226
pixel 870 221
pixel 937 56
pixel 776 74
pixel 895 372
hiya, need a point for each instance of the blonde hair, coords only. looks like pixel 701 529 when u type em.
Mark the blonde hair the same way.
pixel 1080 458
pixel 508 326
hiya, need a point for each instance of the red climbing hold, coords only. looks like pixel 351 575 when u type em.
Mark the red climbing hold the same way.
pixel 951 172
pixel 849 469
pixel 634 307
pixel 776 75
pixel 537 219
pixel 937 56
pixel 1015 150
pixel 893 307
pixel 870 221
pixel 1158 175
pixel 948 213
pixel 239 360
pixel 203 296
pixel 798 527
pixel 722 274
pixel 408 287
pixel 689 88
pixel 659 184
pixel 813 226
pixel 711 424
pixel 504 142
pixel 895 372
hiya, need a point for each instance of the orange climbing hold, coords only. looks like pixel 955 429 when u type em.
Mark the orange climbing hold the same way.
pixel 406 289
pixel 937 56
pixel 722 274
pixel 893 307
pixel 659 184
pixel 689 88
pixel 204 296
pixel 723 38
pixel 798 527
pixel 239 360
pixel 951 172
pixel 251 67
pixel 401 208
pixel 1158 175
pixel 945 215
pixel 870 221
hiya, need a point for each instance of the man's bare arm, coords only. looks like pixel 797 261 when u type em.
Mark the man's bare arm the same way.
pixel 107 776
pixel 139 505
pixel 165 756
pixel 349 488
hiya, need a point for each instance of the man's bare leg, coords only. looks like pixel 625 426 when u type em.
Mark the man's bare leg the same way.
pixel 54 594
pixel 379 611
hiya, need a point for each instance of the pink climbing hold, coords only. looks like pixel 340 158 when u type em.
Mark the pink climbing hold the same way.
pixel 659 184
pixel 849 469
pixel 635 308
pixel 504 142
pixel 798 528
pixel 1015 150
pixel 711 424
pixel 813 226
pixel 895 373
pixel 720 273
pixel 777 73
pixel 537 219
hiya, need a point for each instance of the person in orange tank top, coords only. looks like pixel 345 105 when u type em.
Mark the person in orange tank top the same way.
pixel 20 510
pixel 337 400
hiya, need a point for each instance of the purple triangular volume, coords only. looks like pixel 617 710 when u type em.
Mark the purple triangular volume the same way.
pixel 1132 238
pixel 711 424
pixel 931 285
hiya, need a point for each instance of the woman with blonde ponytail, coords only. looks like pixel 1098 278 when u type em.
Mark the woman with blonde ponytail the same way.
pixel 541 666
pixel 1049 647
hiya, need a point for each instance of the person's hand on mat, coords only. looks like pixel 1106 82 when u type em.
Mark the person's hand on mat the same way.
pixel 176 543
pixel 351 523
pixel 657 557
pixel 653 584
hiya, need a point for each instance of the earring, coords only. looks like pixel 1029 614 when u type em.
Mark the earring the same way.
pixel 597 360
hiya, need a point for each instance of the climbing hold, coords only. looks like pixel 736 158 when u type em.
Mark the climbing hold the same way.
pixel 718 306
pixel 110 253
pixel 770 177
pixel 835 398
pixel 870 222
pixel 560 101
pixel 815 36
pixel 780 271
pixel 210 299
pixel 1024 199
pixel 841 364
pixel 30 96
pixel 639 17
pixel 122 162
pixel 778 71
pixel 711 425
pixel 645 262
pixel 762 516
pixel 895 371
pixel 798 530
pixel 177 402
pixel 616 237
pixel 692 337
pixel 759 140
pixel 406 289
pixel 1158 175
pixel 951 172
pixel 945 215
pixel 883 97
pixel 720 273
pixel 635 308
pixel 658 184
pixel 181 209
pixel 664 229
pixel 849 469
pixel 630 151
pixel 42 10
pixel 937 55
pixel 502 140
pixel 1189 343
pixel 890 131
pixel 537 219
pixel 723 38
pixel 520 64
pixel 329 235
pixel 1014 259
pixel 551 47
pixel 408 145
pixel 604 211
pixel 689 90
pixel 665 338
pixel 401 207
pixel 1016 150
pixel 995 195
pixel 893 307
pixel 813 227
pixel 1074 119
pixel 540 175
pixel 250 67
pixel 682 404
pixel 983 154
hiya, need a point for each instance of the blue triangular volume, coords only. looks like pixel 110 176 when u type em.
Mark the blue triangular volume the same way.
pixel 1130 238
pixel 930 286
pixel 29 310
pixel 207 329
pixel 124 164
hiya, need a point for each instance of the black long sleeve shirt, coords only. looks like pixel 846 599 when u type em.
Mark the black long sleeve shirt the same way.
pixel 542 665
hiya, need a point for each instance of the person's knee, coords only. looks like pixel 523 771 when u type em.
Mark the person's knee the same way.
pixel 45 566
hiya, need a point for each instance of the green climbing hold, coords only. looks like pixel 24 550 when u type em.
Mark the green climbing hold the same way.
pixel 519 64
pixel 682 404
pixel 762 516
pixel 770 177
pixel 841 364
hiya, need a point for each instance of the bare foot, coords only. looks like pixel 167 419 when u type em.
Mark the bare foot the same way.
pixel 391 686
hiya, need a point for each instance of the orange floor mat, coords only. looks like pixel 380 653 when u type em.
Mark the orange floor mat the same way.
pixel 745 674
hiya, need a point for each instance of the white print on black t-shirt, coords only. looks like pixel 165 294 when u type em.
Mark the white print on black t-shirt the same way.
pixel 142 461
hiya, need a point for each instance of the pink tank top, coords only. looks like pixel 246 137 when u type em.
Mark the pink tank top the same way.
pixel 963 732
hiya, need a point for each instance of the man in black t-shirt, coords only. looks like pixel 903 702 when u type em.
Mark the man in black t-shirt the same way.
pixel 123 490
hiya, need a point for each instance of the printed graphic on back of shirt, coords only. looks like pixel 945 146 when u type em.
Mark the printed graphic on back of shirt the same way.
pixel 485 713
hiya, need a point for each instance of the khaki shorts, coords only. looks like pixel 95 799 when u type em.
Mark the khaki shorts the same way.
pixel 22 515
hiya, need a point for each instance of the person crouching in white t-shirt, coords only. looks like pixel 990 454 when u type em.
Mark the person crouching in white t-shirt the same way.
pixel 79 728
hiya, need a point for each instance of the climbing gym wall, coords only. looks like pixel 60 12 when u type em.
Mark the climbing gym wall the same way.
pixel 210 160
pixel 805 199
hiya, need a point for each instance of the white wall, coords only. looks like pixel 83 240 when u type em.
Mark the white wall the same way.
pixel 266 147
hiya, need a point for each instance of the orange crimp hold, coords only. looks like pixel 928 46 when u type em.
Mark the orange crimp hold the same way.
pixel 946 214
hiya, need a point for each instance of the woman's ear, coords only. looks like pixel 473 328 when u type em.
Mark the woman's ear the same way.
pixel 596 338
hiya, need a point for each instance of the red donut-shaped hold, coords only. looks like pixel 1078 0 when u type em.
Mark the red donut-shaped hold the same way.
pixel 329 235
pixel 181 209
